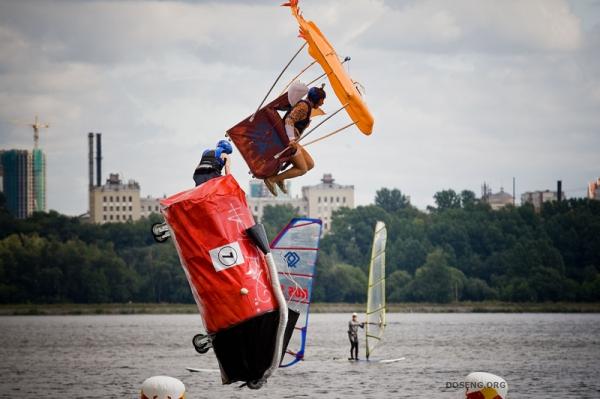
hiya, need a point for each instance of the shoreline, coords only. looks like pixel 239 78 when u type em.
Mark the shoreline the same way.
pixel 168 308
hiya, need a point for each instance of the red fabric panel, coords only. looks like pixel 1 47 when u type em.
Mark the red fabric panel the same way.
pixel 211 219
pixel 258 141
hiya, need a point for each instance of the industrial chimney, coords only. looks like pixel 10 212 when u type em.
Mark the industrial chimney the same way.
pixel 98 159
pixel 91 159
pixel 559 190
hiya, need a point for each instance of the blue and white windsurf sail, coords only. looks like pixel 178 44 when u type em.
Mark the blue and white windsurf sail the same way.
pixel 295 253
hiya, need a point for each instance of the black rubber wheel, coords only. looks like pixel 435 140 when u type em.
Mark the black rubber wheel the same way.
pixel 159 228
pixel 201 343
pixel 256 384
pixel 199 339
pixel 160 239
pixel 157 234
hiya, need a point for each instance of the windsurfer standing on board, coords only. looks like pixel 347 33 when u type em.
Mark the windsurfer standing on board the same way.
pixel 212 163
pixel 296 121
pixel 353 336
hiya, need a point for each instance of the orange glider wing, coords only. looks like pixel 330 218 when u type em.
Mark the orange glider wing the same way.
pixel 323 52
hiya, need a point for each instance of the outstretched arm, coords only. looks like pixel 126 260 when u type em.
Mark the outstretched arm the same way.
pixel 227 161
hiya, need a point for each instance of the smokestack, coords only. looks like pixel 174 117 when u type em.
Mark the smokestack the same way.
pixel 91 158
pixel 98 159
pixel 559 190
pixel 514 195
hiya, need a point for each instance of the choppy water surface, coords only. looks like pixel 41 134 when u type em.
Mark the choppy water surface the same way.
pixel 540 356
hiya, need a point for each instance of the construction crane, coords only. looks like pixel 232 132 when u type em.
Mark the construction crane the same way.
pixel 36 125
pixel 36 131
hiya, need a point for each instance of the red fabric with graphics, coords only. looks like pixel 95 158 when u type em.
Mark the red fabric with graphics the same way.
pixel 228 275
pixel 262 138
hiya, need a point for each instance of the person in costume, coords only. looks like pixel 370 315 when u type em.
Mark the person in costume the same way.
pixel 296 121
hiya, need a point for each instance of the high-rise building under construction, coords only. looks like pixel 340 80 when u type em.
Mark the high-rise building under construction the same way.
pixel 24 181
pixel 38 166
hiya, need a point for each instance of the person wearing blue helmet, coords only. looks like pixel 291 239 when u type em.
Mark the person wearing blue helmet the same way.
pixel 212 163
pixel 296 121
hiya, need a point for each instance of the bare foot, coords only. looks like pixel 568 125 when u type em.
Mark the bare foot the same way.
pixel 270 186
pixel 282 187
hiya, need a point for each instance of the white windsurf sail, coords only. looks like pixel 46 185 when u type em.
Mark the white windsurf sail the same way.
pixel 295 253
pixel 375 320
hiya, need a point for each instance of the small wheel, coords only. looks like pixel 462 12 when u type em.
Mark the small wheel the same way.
pixel 256 384
pixel 160 232
pixel 159 228
pixel 199 339
pixel 201 343
pixel 161 239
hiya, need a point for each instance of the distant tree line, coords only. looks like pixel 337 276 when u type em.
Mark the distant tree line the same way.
pixel 52 258
pixel 459 249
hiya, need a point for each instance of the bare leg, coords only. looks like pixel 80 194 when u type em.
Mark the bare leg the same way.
pixel 310 163
pixel 302 162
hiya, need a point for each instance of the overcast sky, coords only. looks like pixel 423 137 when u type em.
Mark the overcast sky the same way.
pixel 462 92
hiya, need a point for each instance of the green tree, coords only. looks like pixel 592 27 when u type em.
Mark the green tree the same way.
pixel 276 217
pixel 352 234
pixel 590 290
pixel 395 285
pixel 391 200
pixel 433 282
pixel 517 289
pixel 344 283
pixel 468 199
pixel 407 254
pixel 446 199
pixel 478 290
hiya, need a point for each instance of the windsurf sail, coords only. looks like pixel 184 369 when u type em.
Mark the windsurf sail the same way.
pixel 375 320
pixel 295 253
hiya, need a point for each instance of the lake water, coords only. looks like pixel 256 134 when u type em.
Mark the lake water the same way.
pixel 540 356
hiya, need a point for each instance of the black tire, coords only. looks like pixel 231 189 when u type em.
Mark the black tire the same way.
pixel 158 236
pixel 198 339
pixel 256 384
pixel 159 228
pixel 160 239
pixel 201 343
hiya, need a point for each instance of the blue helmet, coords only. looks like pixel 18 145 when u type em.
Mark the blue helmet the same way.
pixel 225 146
pixel 315 94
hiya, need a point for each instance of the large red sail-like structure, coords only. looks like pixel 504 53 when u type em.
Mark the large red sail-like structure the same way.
pixel 260 138
pixel 225 269
pixel 229 277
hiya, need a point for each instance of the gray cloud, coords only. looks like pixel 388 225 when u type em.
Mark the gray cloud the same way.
pixel 477 26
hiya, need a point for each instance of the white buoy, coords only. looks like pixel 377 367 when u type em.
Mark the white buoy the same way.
pixel 482 385
pixel 162 387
